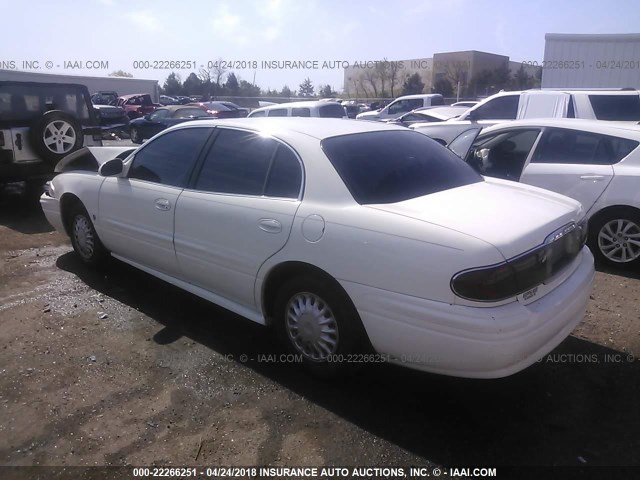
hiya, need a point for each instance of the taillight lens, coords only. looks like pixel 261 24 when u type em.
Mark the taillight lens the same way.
pixel 212 112
pixel 519 274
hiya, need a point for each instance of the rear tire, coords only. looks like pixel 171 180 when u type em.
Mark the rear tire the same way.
pixel 136 136
pixel 84 237
pixel 614 238
pixel 318 322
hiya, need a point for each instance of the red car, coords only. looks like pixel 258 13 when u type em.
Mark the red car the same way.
pixel 222 109
pixel 137 105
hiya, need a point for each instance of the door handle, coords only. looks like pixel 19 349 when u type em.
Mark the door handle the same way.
pixel 592 177
pixel 162 204
pixel 269 225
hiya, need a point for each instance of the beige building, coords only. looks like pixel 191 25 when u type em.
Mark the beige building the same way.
pixel 473 73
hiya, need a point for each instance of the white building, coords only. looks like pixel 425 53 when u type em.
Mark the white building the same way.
pixel 591 61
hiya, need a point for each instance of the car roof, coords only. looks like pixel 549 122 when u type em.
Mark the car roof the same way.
pixel 420 95
pixel 442 111
pixel 621 129
pixel 319 128
pixel 304 103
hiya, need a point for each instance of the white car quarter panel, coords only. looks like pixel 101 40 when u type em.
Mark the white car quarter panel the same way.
pixel 136 219
pixel 222 240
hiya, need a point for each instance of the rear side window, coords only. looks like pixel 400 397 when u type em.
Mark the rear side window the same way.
pixel 300 112
pixel 168 159
pixel 392 166
pixel 278 112
pixel 500 108
pixel 437 101
pixel 332 110
pixel 616 107
pixel 575 147
pixel 285 175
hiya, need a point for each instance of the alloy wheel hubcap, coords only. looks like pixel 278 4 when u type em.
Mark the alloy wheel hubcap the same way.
pixel 83 235
pixel 59 136
pixel 619 240
pixel 311 326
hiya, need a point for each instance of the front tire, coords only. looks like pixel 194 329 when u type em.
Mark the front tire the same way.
pixel 84 237
pixel 318 322
pixel 614 238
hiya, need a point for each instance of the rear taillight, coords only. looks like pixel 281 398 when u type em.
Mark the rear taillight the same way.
pixel 498 282
pixel 212 112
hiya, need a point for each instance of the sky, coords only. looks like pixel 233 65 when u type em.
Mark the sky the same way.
pixel 129 33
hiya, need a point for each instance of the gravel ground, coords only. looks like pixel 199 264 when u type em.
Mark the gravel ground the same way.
pixel 114 367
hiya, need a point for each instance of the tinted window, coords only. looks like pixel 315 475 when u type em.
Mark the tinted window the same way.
pixel 29 101
pixel 237 163
pixel 278 112
pixel 388 167
pixel 258 114
pixel 576 147
pixel 285 176
pixel 499 108
pixel 332 110
pixel 403 106
pixel 168 159
pixel 437 101
pixel 616 107
pixel 300 112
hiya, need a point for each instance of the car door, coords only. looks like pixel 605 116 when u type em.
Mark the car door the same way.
pixel 572 162
pixel 502 154
pixel 237 213
pixel 136 212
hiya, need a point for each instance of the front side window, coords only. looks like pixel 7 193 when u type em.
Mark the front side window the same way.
pixel 243 163
pixel 258 114
pixel 504 154
pixel 500 108
pixel 159 114
pixel 559 145
pixel 168 159
pixel 332 110
pixel 393 166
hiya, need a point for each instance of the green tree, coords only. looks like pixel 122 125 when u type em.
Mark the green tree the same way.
pixel 326 91
pixel 248 89
pixel 172 85
pixel 192 85
pixel 121 73
pixel 306 88
pixel 232 86
pixel 286 92
pixel 443 87
pixel 413 85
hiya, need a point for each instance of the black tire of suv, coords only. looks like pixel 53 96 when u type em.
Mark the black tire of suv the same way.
pixel 52 119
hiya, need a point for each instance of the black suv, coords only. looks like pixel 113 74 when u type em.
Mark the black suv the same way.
pixel 40 123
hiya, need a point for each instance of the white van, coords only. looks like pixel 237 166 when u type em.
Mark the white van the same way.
pixel 402 105
pixel 612 105
pixel 302 109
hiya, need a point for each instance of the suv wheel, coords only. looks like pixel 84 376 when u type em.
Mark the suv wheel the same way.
pixel 55 135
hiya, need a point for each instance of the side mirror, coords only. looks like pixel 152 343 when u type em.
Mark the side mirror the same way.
pixel 473 115
pixel 111 168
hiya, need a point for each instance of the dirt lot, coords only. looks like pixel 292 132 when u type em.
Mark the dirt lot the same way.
pixel 117 368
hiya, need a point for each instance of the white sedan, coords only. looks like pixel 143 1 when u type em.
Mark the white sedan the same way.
pixel 594 162
pixel 346 236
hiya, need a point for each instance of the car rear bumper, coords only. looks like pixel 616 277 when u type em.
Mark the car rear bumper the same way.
pixel 473 342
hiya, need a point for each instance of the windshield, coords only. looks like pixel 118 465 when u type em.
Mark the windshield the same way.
pixel 393 166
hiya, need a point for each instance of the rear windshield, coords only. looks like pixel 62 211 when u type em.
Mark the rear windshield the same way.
pixel 616 107
pixel 392 166
pixel 333 110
